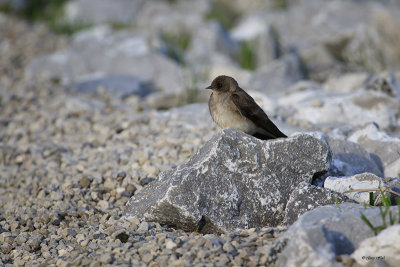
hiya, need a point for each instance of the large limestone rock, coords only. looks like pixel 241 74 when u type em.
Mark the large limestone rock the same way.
pixel 233 181
pixel 320 235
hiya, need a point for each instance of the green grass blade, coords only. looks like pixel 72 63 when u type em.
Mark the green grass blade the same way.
pixel 368 223
pixel 337 204
pixel 391 219
pixel 371 198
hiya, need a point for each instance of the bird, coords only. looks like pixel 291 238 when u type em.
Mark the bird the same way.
pixel 231 107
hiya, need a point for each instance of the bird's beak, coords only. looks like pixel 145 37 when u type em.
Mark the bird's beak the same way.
pixel 209 87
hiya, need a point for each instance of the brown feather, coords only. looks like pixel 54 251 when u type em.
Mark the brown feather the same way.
pixel 249 108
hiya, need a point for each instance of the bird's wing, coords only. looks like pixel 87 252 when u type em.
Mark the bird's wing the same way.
pixel 246 105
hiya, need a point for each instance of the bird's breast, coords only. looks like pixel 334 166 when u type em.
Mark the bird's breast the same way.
pixel 226 115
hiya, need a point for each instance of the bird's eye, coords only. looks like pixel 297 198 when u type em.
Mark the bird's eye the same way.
pixel 219 85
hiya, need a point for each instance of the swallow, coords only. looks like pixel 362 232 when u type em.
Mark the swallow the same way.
pixel 231 107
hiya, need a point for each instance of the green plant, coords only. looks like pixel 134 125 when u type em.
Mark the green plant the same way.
pixel 50 12
pixel 337 48
pixel 191 93
pixel 116 25
pixel 68 28
pixel 383 195
pixel 247 55
pixel 381 191
pixel 176 45
pixel 337 204
pixel 47 10
pixel 223 12
pixel 280 4
pixel 384 211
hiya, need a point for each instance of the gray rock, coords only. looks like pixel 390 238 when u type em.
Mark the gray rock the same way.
pixel 100 11
pixel 192 116
pixel 372 46
pixel 384 82
pixel 257 30
pixel 14 4
pixel 35 241
pixel 320 235
pixel 180 17
pixel 357 33
pixel 144 226
pixel 330 24
pixel 120 86
pixel 211 44
pixel 22 238
pixel 277 77
pixel 77 104
pixel 383 248
pixel 378 143
pixel 210 193
pixel 97 52
pixel 325 20
pixel 350 158
pixel 307 197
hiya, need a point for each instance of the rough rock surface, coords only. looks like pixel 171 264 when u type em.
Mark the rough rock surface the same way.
pixel 308 197
pixel 349 158
pixel 381 249
pixel 363 181
pixel 320 235
pixel 381 144
pixel 234 181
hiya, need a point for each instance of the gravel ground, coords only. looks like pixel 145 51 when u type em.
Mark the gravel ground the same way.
pixel 69 163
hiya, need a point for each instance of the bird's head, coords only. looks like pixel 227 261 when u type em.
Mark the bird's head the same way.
pixel 223 84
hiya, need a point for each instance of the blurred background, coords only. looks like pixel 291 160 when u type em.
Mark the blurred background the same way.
pixel 165 52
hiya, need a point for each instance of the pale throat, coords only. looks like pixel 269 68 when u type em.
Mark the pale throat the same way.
pixel 225 116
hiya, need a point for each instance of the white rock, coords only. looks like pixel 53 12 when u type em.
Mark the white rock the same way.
pixel 337 109
pixel 169 244
pixel 346 83
pixel 62 252
pixel 103 204
pixel 80 237
pixel 249 28
pixel 383 248
pixel 358 181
